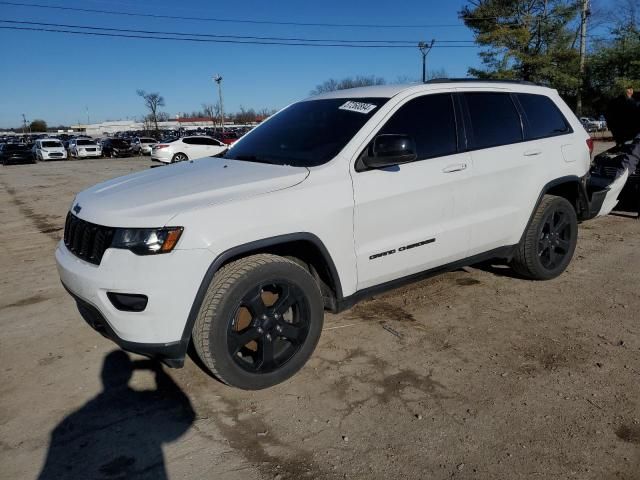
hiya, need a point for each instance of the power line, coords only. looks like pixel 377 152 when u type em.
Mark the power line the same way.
pixel 230 20
pixel 217 40
pixel 242 37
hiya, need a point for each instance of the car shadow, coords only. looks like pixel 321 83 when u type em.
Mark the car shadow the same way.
pixel 120 432
pixel 497 268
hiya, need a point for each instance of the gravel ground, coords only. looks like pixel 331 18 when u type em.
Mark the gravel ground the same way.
pixel 473 374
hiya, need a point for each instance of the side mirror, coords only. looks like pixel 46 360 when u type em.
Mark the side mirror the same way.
pixel 389 150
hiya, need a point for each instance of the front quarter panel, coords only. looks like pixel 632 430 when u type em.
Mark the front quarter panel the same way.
pixel 322 205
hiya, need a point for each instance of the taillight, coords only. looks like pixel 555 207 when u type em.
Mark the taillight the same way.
pixel 161 145
pixel 590 144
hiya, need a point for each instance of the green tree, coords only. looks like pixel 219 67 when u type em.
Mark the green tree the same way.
pixel 614 62
pixel 38 126
pixel 531 40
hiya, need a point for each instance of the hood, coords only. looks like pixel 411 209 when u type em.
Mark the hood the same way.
pixel 152 197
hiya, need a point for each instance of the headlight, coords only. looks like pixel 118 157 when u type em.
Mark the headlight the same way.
pixel 147 241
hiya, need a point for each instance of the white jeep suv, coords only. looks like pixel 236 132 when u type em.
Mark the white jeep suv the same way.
pixel 333 199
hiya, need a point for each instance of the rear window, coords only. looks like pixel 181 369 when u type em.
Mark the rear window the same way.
pixel 543 119
pixel 13 147
pixel 494 119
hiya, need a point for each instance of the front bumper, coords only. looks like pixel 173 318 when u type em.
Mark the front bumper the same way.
pixel 54 156
pixel 170 281
pixel 82 154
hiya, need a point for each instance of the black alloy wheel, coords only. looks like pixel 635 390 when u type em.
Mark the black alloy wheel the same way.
pixel 269 327
pixel 555 239
pixel 549 240
pixel 259 322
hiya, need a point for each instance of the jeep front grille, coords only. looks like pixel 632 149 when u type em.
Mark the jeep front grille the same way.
pixel 86 240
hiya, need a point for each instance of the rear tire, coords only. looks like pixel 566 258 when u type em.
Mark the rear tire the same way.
pixel 179 157
pixel 549 242
pixel 259 322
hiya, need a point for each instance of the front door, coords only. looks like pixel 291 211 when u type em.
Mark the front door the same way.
pixel 405 218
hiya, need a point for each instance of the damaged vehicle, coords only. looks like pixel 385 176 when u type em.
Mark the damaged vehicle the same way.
pixel 333 199
pixel 605 169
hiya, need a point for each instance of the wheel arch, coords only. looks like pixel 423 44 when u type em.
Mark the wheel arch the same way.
pixel 569 187
pixel 304 247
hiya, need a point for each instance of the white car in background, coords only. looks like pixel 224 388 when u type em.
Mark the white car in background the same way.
pixel 83 148
pixel 143 145
pixel 186 148
pixel 49 149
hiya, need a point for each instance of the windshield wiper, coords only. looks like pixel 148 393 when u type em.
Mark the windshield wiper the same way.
pixel 251 158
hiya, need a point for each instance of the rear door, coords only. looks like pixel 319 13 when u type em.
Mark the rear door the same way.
pixel 503 166
pixel 405 217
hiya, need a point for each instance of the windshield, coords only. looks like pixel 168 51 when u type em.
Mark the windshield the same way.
pixel 306 134
pixel 51 144
pixel 147 140
pixel 85 142
pixel 119 143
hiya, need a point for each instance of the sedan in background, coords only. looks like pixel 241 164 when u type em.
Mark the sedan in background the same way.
pixel 143 145
pixel 11 153
pixel 186 148
pixel 116 147
pixel 84 148
pixel 49 149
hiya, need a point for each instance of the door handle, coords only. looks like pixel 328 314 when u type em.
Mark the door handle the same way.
pixel 458 167
pixel 532 153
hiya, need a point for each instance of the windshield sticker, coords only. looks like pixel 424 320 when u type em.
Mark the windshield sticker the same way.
pixel 359 107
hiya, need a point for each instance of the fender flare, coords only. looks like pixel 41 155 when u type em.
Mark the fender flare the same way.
pixel 583 201
pixel 247 248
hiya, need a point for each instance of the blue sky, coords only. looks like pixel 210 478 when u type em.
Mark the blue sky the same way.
pixel 56 76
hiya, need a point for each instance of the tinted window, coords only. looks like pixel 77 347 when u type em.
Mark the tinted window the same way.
pixel 50 144
pixel 210 141
pixel 543 117
pixel 85 142
pixel 191 141
pixel 430 121
pixel 306 134
pixel 494 119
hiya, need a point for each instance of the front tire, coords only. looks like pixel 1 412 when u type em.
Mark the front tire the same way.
pixel 549 242
pixel 259 322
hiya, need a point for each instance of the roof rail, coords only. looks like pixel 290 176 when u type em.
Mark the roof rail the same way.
pixel 472 80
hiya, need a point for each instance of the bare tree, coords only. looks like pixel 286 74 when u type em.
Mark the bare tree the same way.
pixel 209 110
pixel 349 82
pixel 153 101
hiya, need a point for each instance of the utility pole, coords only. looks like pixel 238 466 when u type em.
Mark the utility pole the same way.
pixel 87 108
pixel 424 50
pixel 583 52
pixel 24 124
pixel 218 80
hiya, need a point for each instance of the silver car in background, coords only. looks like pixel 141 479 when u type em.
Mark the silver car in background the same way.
pixel 143 145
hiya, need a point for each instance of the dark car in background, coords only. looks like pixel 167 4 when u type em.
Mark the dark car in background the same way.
pixel 11 153
pixel 116 147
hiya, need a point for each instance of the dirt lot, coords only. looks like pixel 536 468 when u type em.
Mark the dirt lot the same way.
pixel 470 375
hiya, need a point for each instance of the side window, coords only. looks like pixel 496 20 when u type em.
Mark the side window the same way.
pixel 430 121
pixel 543 117
pixel 209 141
pixel 190 141
pixel 494 119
